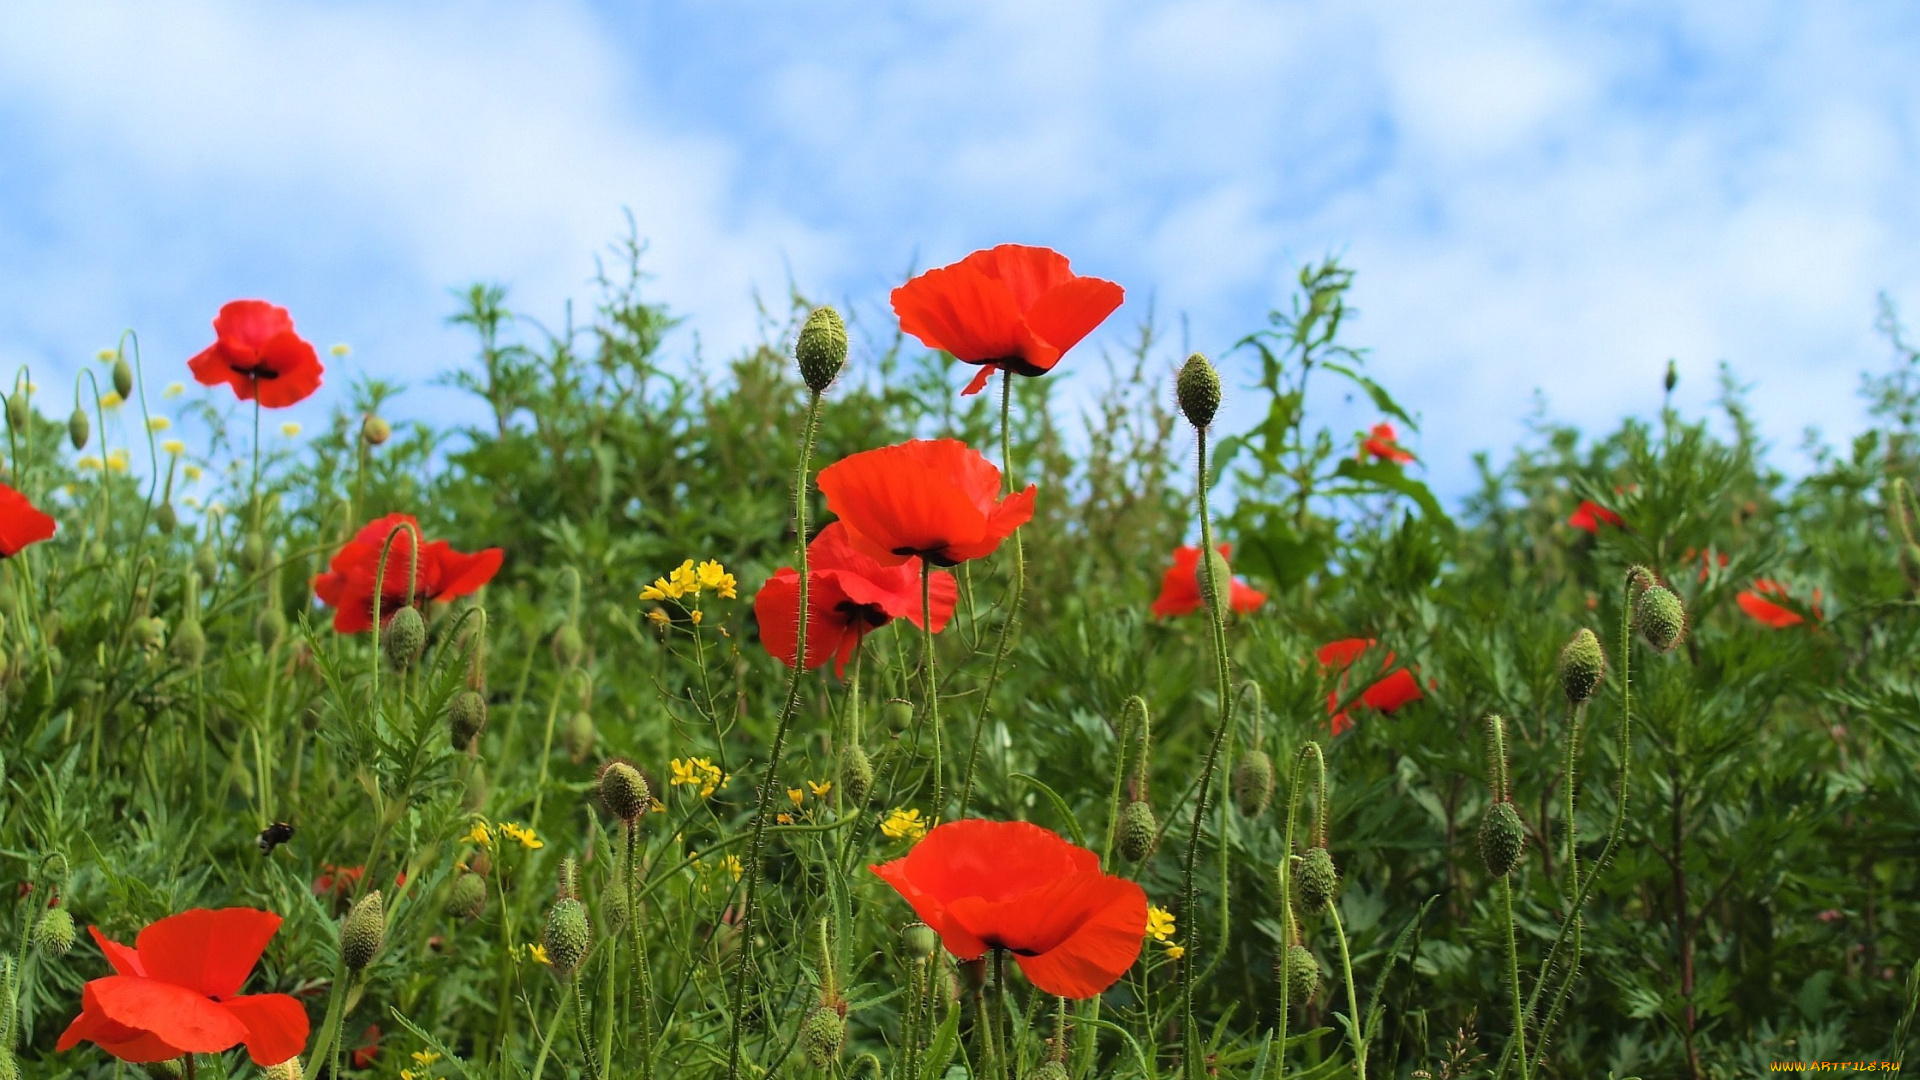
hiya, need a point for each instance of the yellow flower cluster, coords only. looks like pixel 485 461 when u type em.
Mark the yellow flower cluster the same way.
pixel 690 580
pixel 1160 928
pixel 425 1057
pixel 173 390
pixel 697 773
pixel 731 864
pixel 902 823
pixel 483 836
pixel 158 423
pixel 173 447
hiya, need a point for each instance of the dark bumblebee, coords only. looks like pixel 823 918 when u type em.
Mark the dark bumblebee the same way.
pixel 273 836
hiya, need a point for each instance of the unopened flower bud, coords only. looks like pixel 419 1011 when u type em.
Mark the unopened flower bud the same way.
pixel 822 1035
pixel 568 646
pixel 375 430
pixel 896 714
pixel 1197 389
pixel 253 552
pixel 271 627
pixel 166 518
pixel 1049 1070
pixel 1221 579
pixel 1316 881
pixel 1582 665
pixel 170 1069
pixel 1673 376
pixel 364 928
pixel 190 642
pixel 1252 783
pixel 1139 832
pixel 568 935
pixel 822 348
pixel 149 632
pixel 53 934
pixel 921 940
pixel 79 428
pixel 466 716
pixel 856 775
pixel 624 791
pixel 123 378
pixel 206 563
pixel 54 871
pixel 286 1070
pixel 1502 839
pixel 19 413
pixel 1303 976
pixel 468 897
pixel 404 637
pixel 580 735
pixel 1661 618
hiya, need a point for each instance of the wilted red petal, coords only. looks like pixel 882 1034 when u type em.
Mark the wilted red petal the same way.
pixel 210 952
pixel 276 1026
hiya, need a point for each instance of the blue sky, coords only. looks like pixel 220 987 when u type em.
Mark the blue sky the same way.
pixel 1536 196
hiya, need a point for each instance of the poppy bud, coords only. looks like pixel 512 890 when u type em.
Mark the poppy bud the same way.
pixel 613 907
pixel 170 1069
pixel 363 930
pixel 567 936
pixel 1303 976
pixel 9 1069
pixel 1502 838
pixel 79 428
pixel 1197 389
pixel 1222 578
pixel 624 791
pixel 404 638
pixel 53 934
pixel 206 563
pixel 375 430
pixel 568 646
pixel 18 411
pixel 1582 665
pixel 149 632
pixel 166 518
pixel 974 973
pixel 53 871
pixel 190 642
pixel 1673 376
pixel 123 378
pixel 824 1032
pixel 1252 783
pixel 481 863
pixel 920 939
pixel 468 898
pixel 271 627
pixel 580 736
pixel 1049 1070
pixel 253 552
pixel 1139 832
pixel 286 1070
pixel 822 348
pixel 856 775
pixel 1315 881
pixel 1660 617
pixel 466 715
pixel 896 714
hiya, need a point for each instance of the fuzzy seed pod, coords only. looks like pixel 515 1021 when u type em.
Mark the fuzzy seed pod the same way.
pixel 79 428
pixel 286 1070
pixel 253 552
pixel 1582 665
pixel 614 908
pixel 1049 1070
pixel 921 940
pixel 190 642
pixel 404 638
pixel 624 791
pixel 18 411
pixel 466 716
pixel 123 378
pixel 1139 832
pixel 1661 618
pixel 206 563
pixel 1315 881
pixel 568 935
pixel 53 934
pixel 568 646
pixel 149 632
pixel 896 714
pixel 856 775
pixel 166 518
pixel 375 430
pixel 1303 976
pixel 1252 783
pixel 1502 838
pixel 1197 389
pixel 468 898
pixel 170 1069
pixel 822 1035
pixel 270 627
pixel 580 735
pixel 822 348
pixel 364 928
pixel 9 1069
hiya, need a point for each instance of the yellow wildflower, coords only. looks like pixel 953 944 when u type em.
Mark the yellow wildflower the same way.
pixel 88 462
pixel 539 954
pixel 479 834
pixel 796 794
pixel 340 350
pixel 712 575
pixel 1175 952
pixel 290 429
pixel 523 834
pixel 696 616
pixel 425 1057
pixel 106 356
pixel 731 864
pixel 409 1074
pixel 661 589
pixel 118 460
pixel 904 823
pixel 697 772
pixel 158 423
pixel 783 818
pixel 685 579
pixel 658 617
pixel 1159 923
pixel 820 787
pixel 173 447
pixel 658 807
pixel 173 390
pixel 111 400
pixel 193 472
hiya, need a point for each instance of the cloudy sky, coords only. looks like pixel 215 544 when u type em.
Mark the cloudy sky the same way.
pixel 1543 196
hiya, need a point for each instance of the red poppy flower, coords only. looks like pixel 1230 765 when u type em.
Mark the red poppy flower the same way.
pixel 1768 613
pixel 1180 586
pixel 849 595
pixel 1383 444
pixel 1386 694
pixel 21 523
pixel 1013 307
pixel 177 992
pixel 337 879
pixel 1708 560
pixel 444 574
pixel 369 1049
pixel 1590 515
pixel 258 354
pixel 934 498
pixel 1016 886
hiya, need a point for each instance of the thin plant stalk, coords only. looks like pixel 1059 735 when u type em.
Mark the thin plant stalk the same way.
pixel 1005 643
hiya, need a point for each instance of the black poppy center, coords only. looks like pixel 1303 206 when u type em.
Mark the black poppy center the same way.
pixel 257 371
pixel 937 556
pixel 853 614
pixel 1019 365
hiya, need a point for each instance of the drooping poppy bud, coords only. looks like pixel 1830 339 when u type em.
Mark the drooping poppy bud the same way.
pixel 466 716
pixel 1660 616
pixel 1582 665
pixel 1303 976
pixel 190 642
pixel 364 928
pixel 1502 838
pixel 580 735
pixel 1252 783
pixel 624 791
pixel 568 646
pixel 568 935
pixel 79 428
pixel 1139 832
pixel 206 563
pixel 166 518
pixel 1197 389
pixel 468 897
pixel 1316 881
pixel 375 430
pixel 822 1036
pixel 19 413
pixel 123 378
pixel 856 775
pixel 822 348
pixel 53 934
pixel 271 627
pixel 253 552
pixel 404 638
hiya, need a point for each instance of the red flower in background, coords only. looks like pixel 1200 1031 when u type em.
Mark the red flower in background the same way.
pixel 369 1049
pixel 1708 560
pixel 1180 586
pixel 258 354
pixel 937 499
pixel 444 574
pixel 849 594
pixel 21 523
pixel 1383 444
pixel 1764 611
pixel 1386 694
pixel 177 992
pixel 1012 307
pixel 1591 515
pixel 1013 885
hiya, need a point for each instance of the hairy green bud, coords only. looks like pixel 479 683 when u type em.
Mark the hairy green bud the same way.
pixel 79 428
pixel 1222 578
pixel 896 714
pixel 921 940
pixel 190 642
pixel 19 413
pixel 53 935
pixel 822 348
pixel 54 871
pixel 1661 618
pixel 1303 976
pixel 1197 389
pixel 253 552
pixel 271 627
pixel 568 645
pixel 568 935
pixel 404 638
pixel 374 430
pixel 286 1070
pixel 170 1069
pixel 624 791
pixel 364 928
pixel 580 735
pixel 468 897
pixel 206 563
pixel 1582 665
pixel 466 716
pixel 1252 783
pixel 1315 881
pixel 1049 1070
pixel 123 378
pixel 1502 838
pixel 149 632
pixel 166 518
pixel 856 775
pixel 823 1035
pixel 1139 832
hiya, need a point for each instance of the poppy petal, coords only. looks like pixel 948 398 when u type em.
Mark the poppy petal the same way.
pixel 1070 311
pixel 251 324
pixel 123 1042
pixel 1101 949
pixel 979 380
pixel 179 1015
pixel 1027 272
pixel 1245 598
pixel 207 951
pixel 930 910
pixel 462 574
pixel 276 1025
pixel 966 313
pixel 125 961
pixel 1390 693
pixel 1339 654
pixel 21 523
